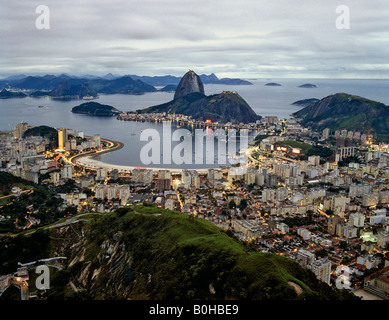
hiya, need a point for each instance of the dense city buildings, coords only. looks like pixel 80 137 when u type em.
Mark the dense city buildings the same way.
pixel 325 210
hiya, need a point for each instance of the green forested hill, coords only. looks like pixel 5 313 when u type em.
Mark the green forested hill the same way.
pixel 150 253
pixel 95 109
pixel 224 107
pixel 42 131
pixel 345 111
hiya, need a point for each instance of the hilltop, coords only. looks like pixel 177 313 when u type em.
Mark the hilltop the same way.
pixel 189 83
pixel 145 252
pixel 345 111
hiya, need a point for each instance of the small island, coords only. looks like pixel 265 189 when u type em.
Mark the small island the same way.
pixel 272 84
pixel 305 102
pixel 96 109
pixel 308 85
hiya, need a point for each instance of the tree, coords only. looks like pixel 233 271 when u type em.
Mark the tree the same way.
pixel 329 212
pixel 243 204
pixel 321 253
pixel 343 245
pixel 70 210
pixel 232 204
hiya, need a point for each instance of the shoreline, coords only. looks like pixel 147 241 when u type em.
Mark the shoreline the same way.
pixel 87 160
pixel 90 163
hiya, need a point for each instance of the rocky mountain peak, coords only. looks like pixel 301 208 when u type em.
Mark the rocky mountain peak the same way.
pixel 61 90
pixel 189 83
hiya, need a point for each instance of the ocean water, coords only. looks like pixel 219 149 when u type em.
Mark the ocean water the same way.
pixel 264 100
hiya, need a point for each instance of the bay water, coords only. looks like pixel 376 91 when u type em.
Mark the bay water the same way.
pixel 264 100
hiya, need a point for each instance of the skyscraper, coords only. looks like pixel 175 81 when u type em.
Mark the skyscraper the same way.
pixel 357 219
pixel 97 139
pixel 164 180
pixel 332 224
pixel 67 171
pixel 62 138
pixel 305 258
pixel 322 269
pixel 20 129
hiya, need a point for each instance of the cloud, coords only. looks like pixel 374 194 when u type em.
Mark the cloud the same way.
pixel 249 38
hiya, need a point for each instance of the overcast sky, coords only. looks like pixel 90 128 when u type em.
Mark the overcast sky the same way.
pixel 241 38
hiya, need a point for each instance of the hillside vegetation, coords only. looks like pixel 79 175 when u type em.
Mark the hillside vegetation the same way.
pixel 147 252
pixel 306 149
pixel 224 107
pixel 42 131
pixel 345 111
pixel 95 109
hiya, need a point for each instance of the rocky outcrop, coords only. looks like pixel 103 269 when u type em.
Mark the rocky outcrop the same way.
pixel 118 257
pixel 107 276
pixel 189 83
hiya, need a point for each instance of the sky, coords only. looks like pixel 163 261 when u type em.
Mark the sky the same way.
pixel 239 39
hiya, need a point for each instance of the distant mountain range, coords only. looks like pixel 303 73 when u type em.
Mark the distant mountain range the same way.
pixel 6 94
pixel 346 111
pixel 66 91
pixel 68 86
pixel 206 79
pixel 65 86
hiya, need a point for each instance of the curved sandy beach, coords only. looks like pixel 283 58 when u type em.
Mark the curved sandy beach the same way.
pixel 89 162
